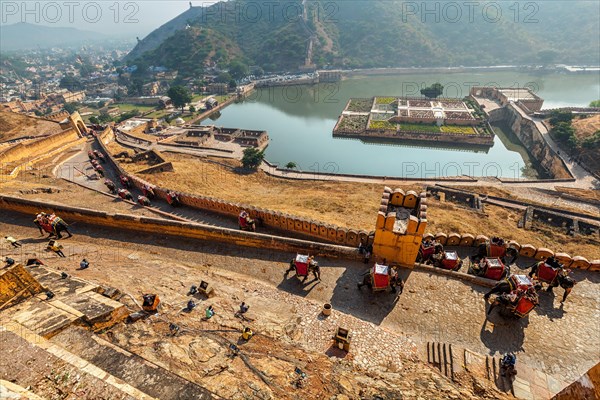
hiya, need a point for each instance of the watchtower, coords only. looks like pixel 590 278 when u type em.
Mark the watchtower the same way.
pixel 400 226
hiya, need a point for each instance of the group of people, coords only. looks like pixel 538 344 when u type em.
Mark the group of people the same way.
pixel 144 198
pixel 509 293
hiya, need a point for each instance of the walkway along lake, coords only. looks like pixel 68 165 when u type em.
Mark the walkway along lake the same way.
pixel 300 120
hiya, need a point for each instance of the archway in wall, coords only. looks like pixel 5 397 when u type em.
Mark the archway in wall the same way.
pixel 77 123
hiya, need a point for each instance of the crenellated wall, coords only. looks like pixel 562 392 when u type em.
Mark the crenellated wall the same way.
pixel 176 228
pixel 273 219
pixel 401 249
pixel 526 250
pixel 400 226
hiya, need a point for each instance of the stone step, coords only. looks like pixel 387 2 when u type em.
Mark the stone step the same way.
pixel 45 318
pixel 75 301
pixel 29 360
pixel 137 371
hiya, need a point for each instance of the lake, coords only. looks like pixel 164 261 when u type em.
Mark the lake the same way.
pixel 300 120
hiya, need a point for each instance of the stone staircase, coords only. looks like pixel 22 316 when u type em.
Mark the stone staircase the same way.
pixel 143 375
pixel 49 348
pixel 529 384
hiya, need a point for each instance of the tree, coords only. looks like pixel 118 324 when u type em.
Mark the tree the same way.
pixel 70 107
pixel 252 158
pixel 290 165
pixel 232 84
pixel 433 91
pixel 595 103
pixel 180 96
pixel 591 142
pixel 128 114
pixel 192 109
pixel 224 77
pixel 94 120
pixel 238 70
pixel 101 104
pixel 559 116
pixel 563 131
pixel 104 117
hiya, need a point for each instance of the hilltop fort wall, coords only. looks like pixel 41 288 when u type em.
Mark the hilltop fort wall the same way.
pixel 34 148
pixel 341 236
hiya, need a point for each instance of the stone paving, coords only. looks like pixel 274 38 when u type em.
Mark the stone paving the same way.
pixel 560 340
pixel 371 346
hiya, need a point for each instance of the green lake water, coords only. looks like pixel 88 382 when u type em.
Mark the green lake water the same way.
pixel 300 120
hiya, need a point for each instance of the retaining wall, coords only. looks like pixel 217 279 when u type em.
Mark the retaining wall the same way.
pixel 533 140
pixel 32 149
pixel 273 219
pixel 176 228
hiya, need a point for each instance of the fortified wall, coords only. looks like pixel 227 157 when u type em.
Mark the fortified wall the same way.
pixel 34 148
pixel 398 247
pixel 273 219
pixel 512 111
pixel 176 228
pixel 401 223
pixel 529 134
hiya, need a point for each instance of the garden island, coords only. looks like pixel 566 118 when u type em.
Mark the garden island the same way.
pixel 405 118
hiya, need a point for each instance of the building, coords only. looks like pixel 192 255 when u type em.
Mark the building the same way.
pixel 330 76
pixel 211 103
pixel 218 88
pixel 400 226
pixel 151 89
pixel 198 135
pixel 523 96
pixel 73 97
pixel 150 100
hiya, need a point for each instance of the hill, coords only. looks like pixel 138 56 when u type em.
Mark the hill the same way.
pixel 23 36
pixel 587 132
pixel 359 34
pixel 15 126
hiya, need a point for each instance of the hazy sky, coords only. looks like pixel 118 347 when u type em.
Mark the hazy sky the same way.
pixel 123 18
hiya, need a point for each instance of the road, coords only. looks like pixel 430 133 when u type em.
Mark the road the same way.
pixel 78 169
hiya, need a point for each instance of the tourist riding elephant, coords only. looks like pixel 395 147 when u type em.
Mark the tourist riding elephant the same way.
pixel 52 225
pixel 496 248
pixel 246 223
pixel 553 274
pixel 148 192
pixel 428 249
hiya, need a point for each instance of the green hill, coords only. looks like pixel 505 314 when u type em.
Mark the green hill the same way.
pixel 374 33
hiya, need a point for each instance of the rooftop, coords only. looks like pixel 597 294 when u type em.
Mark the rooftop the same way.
pixel 518 94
